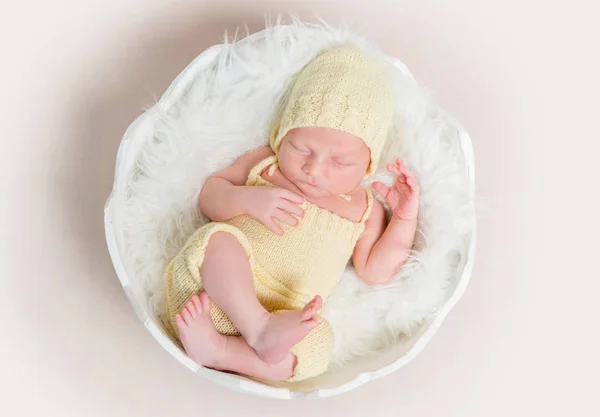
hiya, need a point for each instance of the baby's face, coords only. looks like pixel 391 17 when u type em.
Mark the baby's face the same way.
pixel 322 161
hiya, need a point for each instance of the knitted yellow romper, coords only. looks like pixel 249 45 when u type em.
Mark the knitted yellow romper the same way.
pixel 342 89
pixel 288 271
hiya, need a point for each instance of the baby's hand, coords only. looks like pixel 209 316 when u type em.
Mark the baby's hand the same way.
pixel 266 204
pixel 403 196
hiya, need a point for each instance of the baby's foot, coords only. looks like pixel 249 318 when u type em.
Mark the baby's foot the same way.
pixel 281 331
pixel 202 342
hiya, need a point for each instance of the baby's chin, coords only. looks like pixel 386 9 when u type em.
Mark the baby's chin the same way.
pixel 315 192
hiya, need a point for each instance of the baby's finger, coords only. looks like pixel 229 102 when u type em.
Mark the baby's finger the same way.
pixel 393 169
pixel 412 183
pixel 270 223
pixel 401 177
pixel 406 171
pixel 291 208
pixel 286 217
pixel 381 189
pixel 293 197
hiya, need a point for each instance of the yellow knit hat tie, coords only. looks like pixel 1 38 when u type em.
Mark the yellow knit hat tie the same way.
pixel 343 89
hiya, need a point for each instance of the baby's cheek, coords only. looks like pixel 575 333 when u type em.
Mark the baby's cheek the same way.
pixel 348 182
pixel 294 162
pixel 338 183
pixel 294 167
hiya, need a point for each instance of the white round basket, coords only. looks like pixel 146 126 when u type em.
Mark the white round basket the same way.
pixel 134 139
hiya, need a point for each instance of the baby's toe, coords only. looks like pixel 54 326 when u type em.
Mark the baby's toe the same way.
pixel 309 306
pixel 310 324
pixel 180 322
pixel 191 308
pixel 315 303
pixel 197 304
pixel 187 316
pixel 205 301
pixel 310 310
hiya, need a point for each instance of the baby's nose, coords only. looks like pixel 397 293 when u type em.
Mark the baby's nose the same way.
pixel 312 169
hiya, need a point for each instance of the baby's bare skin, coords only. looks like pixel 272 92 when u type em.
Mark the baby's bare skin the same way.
pixel 206 346
pixel 318 165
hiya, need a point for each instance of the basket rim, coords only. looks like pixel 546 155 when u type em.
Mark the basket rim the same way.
pixel 127 153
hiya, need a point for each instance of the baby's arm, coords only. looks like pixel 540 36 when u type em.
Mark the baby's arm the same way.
pixel 382 250
pixel 222 197
pixel 225 196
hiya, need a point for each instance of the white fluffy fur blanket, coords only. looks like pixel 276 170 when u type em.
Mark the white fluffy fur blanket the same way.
pixel 228 111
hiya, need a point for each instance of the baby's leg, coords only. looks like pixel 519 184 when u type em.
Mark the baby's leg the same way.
pixel 206 346
pixel 228 280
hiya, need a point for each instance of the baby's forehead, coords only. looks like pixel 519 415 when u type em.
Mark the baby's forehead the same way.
pixel 337 142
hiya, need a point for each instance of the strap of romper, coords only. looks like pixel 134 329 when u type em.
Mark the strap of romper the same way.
pixel 254 174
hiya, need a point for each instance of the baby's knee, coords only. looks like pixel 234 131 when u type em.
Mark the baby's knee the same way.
pixel 224 248
pixel 222 238
pixel 223 241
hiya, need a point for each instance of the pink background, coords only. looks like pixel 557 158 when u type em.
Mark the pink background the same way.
pixel 521 76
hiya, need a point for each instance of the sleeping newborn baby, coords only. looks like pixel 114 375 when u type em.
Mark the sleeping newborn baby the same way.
pixel 244 293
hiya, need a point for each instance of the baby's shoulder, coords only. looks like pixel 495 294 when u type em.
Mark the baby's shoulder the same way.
pixel 252 158
pixel 237 173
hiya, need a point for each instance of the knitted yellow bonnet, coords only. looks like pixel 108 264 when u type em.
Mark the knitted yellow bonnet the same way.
pixel 344 89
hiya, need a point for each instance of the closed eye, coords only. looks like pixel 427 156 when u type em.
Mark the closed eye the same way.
pixel 298 149
pixel 343 164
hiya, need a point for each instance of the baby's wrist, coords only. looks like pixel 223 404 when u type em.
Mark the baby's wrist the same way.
pixel 402 220
pixel 243 198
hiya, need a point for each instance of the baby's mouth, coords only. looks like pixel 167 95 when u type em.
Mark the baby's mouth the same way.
pixel 315 188
pixel 311 185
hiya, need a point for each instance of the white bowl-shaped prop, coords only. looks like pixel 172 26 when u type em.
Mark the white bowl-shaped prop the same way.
pixel 218 108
